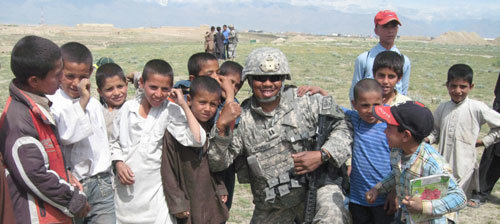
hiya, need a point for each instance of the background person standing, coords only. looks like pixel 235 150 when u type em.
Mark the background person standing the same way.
pixel 233 42
pixel 386 27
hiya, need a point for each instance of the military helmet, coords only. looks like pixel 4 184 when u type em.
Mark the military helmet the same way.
pixel 266 61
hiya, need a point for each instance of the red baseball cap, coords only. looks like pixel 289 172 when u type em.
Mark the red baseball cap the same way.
pixel 411 115
pixel 385 16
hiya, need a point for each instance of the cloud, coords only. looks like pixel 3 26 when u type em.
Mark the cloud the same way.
pixel 163 3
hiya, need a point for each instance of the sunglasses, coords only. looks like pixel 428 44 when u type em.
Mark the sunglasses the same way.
pixel 272 78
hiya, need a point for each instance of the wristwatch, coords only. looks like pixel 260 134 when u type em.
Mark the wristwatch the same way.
pixel 324 156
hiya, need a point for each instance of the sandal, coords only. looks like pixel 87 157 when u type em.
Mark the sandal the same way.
pixel 474 203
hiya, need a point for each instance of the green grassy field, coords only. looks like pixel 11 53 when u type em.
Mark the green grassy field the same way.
pixel 325 64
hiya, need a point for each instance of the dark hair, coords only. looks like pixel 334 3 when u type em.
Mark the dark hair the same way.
pixel 157 66
pixel 232 67
pixel 391 60
pixel 367 85
pixel 196 61
pixel 108 70
pixel 218 28
pixel 204 83
pixel 33 56
pixel 414 135
pixel 224 25
pixel 76 52
pixel 212 28
pixel 460 71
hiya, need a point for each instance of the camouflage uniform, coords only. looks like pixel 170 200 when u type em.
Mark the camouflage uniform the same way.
pixel 233 42
pixel 270 138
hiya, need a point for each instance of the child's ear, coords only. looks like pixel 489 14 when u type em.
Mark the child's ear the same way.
pixel 188 97
pixel 99 91
pixel 141 83
pixel 191 77
pixel 408 136
pixel 471 85
pixel 33 82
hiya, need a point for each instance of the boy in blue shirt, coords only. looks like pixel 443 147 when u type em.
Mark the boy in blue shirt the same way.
pixel 370 154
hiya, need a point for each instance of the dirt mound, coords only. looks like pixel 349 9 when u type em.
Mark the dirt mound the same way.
pixel 496 41
pixel 279 41
pixel 461 38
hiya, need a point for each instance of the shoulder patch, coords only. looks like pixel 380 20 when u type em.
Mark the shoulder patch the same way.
pixel 326 103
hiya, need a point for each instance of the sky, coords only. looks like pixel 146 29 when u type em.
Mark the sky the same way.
pixel 419 17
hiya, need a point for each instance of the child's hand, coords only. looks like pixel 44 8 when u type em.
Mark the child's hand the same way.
pixel 84 91
pixel 223 198
pixel 182 215
pixel 124 173
pixel 227 87
pixel 303 90
pixel 371 195
pixel 413 204
pixel 479 143
pixel 349 170
pixel 178 97
pixel 74 182
pixel 391 203
pixel 229 113
pixel 83 213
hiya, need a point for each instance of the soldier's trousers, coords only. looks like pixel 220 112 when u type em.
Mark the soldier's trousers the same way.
pixel 231 51
pixel 278 216
pixel 330 206
pixel 329 209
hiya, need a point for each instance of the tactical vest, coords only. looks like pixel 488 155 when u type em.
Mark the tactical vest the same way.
pixel 270 147
pixel 45 213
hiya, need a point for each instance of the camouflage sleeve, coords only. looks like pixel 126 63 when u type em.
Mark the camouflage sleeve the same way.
pixel 222 150
pixel 339 142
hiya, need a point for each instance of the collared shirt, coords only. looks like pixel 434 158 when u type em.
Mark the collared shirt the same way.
pixel 82 135
pixel 364 65
pixel 399 98
pixel 109 116
pixel 425 161
pixel 456 128
pixel 226 36
pixel 137 141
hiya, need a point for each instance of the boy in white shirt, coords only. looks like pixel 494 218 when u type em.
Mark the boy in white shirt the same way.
pixel 82 133
pixel 457 124
pixel 136 144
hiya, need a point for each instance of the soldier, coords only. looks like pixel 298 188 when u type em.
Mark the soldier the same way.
pixel 233 42
pixel 275 131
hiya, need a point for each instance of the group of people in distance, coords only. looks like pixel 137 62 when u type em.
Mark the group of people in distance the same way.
pixel 222 43
pixel 170 154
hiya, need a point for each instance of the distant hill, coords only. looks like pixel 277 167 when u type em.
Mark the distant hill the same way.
pixel 461 38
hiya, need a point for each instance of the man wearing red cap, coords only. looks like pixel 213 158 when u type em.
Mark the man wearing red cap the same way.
pixel 386 27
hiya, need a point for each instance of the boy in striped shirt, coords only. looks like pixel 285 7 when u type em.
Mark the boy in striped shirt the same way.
pixel 370 155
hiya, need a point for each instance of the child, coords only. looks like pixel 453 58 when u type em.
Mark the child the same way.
pixel 229 76
pixel 82 131
pixel 136 144
pixel 407 125
pixel 200 64
pixel 112 88
pixel 370 154
pixel 193 194
pixel 388 71
pixel 37 176
pixel 457 127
